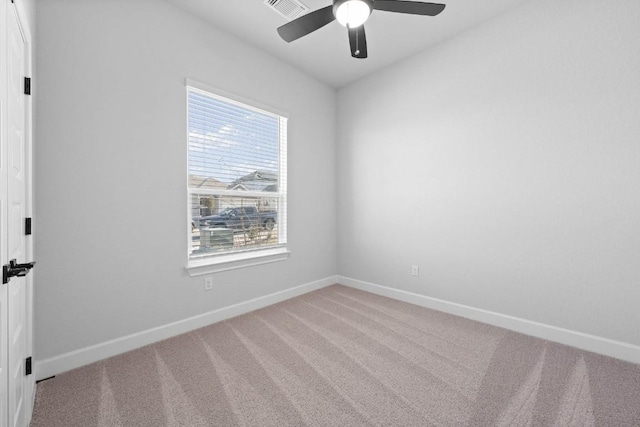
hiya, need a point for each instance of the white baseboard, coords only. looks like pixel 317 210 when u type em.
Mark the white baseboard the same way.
pixel 74 359
pixel 595 344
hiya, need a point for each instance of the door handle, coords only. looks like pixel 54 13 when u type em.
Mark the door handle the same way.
pixel 13 269
pixel 27 266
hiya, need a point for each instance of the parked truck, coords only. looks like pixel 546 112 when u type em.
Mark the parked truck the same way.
pixel 239 219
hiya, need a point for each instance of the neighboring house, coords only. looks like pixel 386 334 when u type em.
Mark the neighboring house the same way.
pixel 262 181
pixel 205 204
pixel 256 181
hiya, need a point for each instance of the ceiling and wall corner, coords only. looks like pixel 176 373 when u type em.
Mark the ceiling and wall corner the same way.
pixel 325 54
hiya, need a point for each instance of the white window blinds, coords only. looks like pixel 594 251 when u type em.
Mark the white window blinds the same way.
pixel 237 175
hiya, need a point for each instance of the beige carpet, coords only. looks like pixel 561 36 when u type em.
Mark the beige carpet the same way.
pixel 342 357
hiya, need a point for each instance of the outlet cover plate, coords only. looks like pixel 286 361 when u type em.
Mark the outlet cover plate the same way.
pixel 415 270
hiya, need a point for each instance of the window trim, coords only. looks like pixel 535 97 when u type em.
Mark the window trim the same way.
pixel 239 100
pixel 241 259
pixel 234 261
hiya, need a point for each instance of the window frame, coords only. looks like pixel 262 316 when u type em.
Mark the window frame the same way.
pixel 215 263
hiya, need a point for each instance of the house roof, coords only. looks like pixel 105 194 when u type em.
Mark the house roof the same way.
pixel 204 182
pixel 256 181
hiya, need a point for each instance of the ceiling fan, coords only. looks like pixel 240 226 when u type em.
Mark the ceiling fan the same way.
pixel 352 14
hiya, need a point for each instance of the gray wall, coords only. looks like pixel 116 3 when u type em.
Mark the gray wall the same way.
pixel 111 169
pixel 503 162
pixel 506 164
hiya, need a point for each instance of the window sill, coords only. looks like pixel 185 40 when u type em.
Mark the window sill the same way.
pixel 220 263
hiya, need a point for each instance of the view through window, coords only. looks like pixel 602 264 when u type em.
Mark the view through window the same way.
pixel 237 176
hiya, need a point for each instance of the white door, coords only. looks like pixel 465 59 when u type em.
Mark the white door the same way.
pixel 4 315
pixel 16 213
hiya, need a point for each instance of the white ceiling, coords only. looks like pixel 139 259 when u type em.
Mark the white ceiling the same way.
pixel 324 54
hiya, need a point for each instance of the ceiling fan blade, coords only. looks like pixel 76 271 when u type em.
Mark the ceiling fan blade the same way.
pixel 358 42
pixel 306 24
pixel 412 7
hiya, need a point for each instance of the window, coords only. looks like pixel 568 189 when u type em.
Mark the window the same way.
pixel 237 183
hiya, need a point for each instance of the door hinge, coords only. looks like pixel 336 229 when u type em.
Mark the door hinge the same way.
pixel 5 274
pixel 27 366
pixel 27 226
pixel 27 85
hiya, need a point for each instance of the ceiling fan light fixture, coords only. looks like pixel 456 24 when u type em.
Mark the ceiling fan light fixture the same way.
pixel 352 13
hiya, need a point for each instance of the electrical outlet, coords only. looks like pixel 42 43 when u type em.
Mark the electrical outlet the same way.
pixel 208 283
pixel 415 270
